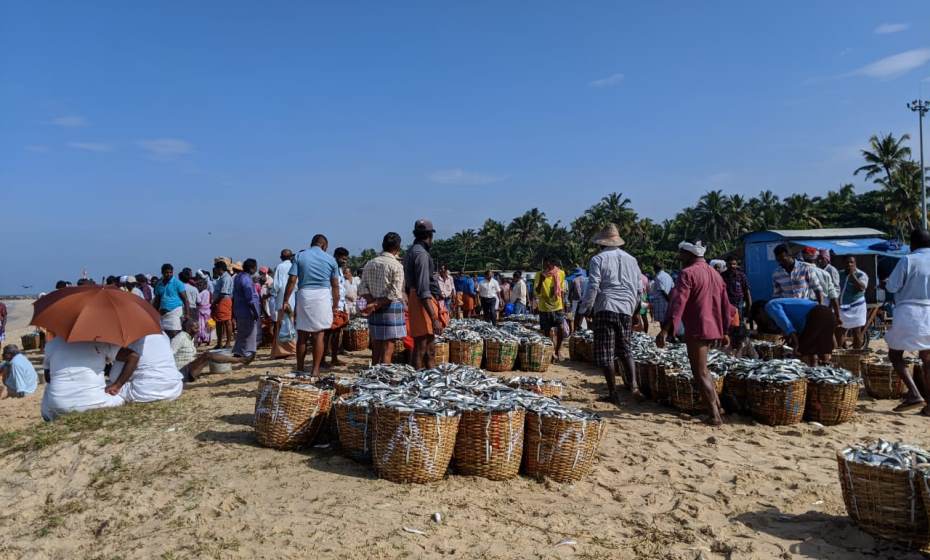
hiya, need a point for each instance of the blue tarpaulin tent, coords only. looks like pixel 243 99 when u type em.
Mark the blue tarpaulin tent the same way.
pixel 759 258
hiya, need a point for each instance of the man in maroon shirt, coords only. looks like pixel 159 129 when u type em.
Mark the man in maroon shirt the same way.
pixel 700 301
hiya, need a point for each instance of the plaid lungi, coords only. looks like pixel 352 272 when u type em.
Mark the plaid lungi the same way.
pixel 388 323
pixel 612 337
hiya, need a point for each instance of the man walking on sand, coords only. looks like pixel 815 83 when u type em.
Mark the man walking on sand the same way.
pixel 383 289
pixel 426 322
pixel 549 290
pixel 315 275
pixel 613 291
pixel 700 301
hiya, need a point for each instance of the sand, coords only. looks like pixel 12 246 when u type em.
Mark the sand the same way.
pixel 186 479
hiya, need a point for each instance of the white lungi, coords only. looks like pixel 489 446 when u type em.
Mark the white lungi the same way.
pixel 854 315
pixel 171 320
pixel 910 328
pixel 314 309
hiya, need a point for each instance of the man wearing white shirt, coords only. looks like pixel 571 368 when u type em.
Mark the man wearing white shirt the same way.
pixel 489 292
pixel 518 293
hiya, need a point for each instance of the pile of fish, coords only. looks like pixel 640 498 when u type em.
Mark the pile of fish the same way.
pixel 460 332
pixel 830 375
pixel 357 324
pixel 777 371
pixel 449 389
pixel 526 318
pixel 523 334
pixel 586 335
pixel 883 453
pixel 530 380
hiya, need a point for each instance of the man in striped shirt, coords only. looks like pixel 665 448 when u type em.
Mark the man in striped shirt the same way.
pixel 794 279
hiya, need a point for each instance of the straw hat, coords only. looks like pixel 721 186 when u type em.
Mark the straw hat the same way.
pixel 608 237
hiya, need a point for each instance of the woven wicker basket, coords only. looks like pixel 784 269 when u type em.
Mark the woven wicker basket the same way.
pixel 400 353
pixel 882 381
pixel 776 338
pixel 344 387
pixel 642 379
pixel 490 444
pixel 658 382
pixel 580 350
pixel 535 356
pixel 764 351
pixel 355 340
pixel 735 391
pixel 30 341
pixel 777 404
pixel 684 396
pixel 500 356
pixel 850 359
pixel 441 352
pixel 560 449
pixel 289 413
pixel 465 352
pixel 552 389
pixel 573 353
pixel 831 404
pixel 355 425
pixel 885 502
pixel 411 447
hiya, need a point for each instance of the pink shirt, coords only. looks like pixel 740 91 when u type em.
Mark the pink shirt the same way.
pixel 700 301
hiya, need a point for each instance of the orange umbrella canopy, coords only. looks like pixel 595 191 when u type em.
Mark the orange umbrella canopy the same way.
pixel 96 314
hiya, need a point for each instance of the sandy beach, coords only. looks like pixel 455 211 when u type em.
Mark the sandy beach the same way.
pixel 187 479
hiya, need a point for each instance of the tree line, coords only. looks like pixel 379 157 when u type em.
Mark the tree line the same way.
pixel 718 219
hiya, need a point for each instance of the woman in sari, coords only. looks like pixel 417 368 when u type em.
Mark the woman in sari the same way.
pixel 204 333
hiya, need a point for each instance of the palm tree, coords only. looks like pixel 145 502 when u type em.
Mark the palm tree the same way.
pixel 799 212
pixel 887 153
pixel 713 213
pixel 766 210
pixel 740 216
pixel 902 196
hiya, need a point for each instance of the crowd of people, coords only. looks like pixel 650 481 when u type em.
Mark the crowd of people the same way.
pixel 303 304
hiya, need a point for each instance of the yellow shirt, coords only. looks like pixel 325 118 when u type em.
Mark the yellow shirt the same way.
pixel 545 293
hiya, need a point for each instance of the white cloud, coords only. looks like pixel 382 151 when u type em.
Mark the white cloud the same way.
pixel 91 146
pixel 894 65
pixel 887 28
pixel 36 148
pixel 166 148
pixel 609 81
pixel 69 121
pixel 462 177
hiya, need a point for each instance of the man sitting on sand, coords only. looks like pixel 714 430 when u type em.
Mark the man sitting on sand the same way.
pixel 19 377
pixel 75 378
pixel 185 353
pixel 148 371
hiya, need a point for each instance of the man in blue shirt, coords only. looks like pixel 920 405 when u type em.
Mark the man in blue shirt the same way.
pixel 171 301
pixel 19 376
pixel 808 326
pixel 315 276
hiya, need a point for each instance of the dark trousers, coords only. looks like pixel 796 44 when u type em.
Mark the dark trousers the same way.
pixel 489 307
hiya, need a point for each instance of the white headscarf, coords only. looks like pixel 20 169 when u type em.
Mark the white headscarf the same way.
pixel 697 248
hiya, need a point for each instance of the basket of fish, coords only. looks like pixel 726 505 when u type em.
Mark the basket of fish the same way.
pixel 440 352
pixel 465 346
pixel 500 354
pixel 489 442
pixel 400 352
pixel 882 483
pixel 413 444
pixel 682 393
pixel 881 380
pixel 355 337
pixel 354 424
pixel 344 386
pixel 658 381
pixel 552 388
pixel 561 443
pixel 535 356
pixel 850 359
pixel 777 392
pixel 289 411
pixel 832 394
pixel 581 346
pixel 767 337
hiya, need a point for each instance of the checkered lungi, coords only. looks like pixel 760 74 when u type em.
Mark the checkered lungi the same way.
pixel 388 323
pixel 612 337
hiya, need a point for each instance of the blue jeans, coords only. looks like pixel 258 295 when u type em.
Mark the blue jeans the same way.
pixel 519 308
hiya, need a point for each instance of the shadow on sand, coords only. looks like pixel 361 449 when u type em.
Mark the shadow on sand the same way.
pixel 823 535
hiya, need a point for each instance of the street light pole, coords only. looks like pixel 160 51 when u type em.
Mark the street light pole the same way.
pixel 921 107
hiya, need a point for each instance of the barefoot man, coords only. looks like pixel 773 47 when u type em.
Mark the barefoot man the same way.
pixel 700 301
pixel 422 293
pixel 910 330
pixel 613 291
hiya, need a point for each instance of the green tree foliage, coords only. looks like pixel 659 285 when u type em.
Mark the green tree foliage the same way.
pixel 717 219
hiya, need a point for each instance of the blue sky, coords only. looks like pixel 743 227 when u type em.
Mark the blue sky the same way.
pixel 137 133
